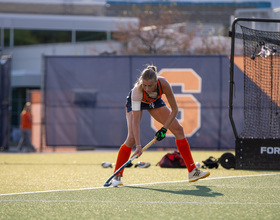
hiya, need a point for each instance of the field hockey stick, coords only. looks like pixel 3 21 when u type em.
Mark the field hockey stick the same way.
pixel 108 182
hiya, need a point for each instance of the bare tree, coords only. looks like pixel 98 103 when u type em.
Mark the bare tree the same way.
pixel 157 33
pixel 211 43
pixel 165 31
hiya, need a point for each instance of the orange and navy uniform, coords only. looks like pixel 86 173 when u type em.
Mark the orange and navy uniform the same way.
pixel 147 101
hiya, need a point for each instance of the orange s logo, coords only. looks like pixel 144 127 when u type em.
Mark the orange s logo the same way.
pixel 189 107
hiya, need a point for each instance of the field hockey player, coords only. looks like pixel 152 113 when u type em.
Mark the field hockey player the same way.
pixel 146 95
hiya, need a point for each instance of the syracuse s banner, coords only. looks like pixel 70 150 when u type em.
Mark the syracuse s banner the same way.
pixel 189 115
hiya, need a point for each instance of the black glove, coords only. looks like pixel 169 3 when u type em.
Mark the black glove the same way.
pixel 161 134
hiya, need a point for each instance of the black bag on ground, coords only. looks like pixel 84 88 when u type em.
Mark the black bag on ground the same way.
pixel 172 160
pixel 210 163
pixel 227 161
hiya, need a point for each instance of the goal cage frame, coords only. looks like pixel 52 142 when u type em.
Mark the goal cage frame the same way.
pixel 251 153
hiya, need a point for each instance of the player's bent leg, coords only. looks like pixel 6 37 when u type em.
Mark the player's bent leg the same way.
pixel 126 147
pixel 161 115
pixel 194 173
pixel 185 151
pixel 123 157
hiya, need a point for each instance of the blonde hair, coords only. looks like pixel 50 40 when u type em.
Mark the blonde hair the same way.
pixel 27 107
pixel 150 72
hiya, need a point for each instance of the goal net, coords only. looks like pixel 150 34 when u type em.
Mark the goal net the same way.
pixel 257 144
pixel 261 83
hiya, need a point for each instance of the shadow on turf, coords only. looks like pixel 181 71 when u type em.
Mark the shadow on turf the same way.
pixel 202 191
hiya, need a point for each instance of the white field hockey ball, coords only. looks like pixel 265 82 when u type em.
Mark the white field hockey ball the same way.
pixel 197 164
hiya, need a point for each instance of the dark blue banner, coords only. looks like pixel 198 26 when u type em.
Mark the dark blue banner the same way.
pixel 85 99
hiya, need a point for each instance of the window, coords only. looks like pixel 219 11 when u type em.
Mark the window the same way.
pixel 82 36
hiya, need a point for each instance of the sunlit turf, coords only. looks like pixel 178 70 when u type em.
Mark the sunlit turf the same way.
pixel 70 186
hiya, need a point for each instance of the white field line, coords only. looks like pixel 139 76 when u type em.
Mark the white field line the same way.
pixel 206 179
pixel 143 184
pixel 140 202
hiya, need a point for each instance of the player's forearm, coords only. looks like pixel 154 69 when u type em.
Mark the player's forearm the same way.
pixel 136 128
pixel 171 118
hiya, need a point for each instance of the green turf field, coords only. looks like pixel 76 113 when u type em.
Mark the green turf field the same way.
pixel 70 186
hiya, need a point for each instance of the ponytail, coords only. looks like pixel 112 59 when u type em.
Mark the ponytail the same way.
pixel 150 72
